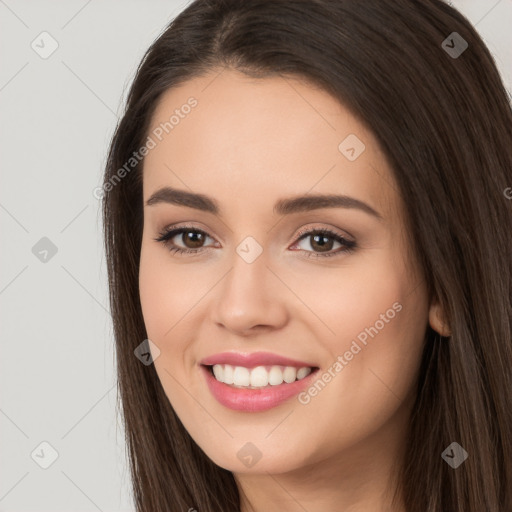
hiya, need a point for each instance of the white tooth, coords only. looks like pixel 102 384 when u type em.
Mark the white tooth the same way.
pixel 228 374
pixel 259 376
pixel 275 376
pixel 241 376
pixel 218 371
pixel 289 374
pixel 303 372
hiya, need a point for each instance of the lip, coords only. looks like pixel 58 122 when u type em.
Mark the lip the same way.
pixel 254 400
pixel 251 360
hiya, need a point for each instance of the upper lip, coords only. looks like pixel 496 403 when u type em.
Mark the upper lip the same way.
pixel 250 360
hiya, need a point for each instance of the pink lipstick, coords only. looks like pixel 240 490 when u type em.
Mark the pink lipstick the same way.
pixel 257 381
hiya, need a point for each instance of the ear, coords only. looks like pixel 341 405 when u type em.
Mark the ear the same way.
pixel 437 319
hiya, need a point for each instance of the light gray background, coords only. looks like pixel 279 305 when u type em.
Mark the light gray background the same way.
pixel 57 116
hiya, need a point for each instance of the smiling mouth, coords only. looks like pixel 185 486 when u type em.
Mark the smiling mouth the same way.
pixel 258 377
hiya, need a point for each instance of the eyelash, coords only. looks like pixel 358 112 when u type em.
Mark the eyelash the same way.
pixel 166 235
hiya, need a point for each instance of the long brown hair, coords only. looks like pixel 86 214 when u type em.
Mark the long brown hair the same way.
pixel 444 122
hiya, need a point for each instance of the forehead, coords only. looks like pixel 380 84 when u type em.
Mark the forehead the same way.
pixel 236 137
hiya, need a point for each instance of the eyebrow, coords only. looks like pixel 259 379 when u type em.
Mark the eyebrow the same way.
pixel 286 206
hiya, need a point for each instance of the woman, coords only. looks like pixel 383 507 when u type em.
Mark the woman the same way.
pixel 307 230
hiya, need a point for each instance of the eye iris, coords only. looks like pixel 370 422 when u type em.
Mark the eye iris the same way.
pixel 320 241
pixel 196 239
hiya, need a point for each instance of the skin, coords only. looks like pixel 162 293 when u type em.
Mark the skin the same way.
pixel 248 143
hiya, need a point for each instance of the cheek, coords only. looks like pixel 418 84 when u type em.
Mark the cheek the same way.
pixel 170 295
pixel 154 301
pixel 352 297
pixel 377 317
pixel 164 301
pixel 165 295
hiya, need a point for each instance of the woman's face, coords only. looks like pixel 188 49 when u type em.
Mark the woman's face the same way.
pixel 262 277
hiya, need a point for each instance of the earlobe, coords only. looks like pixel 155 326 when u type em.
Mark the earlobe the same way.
pixel 437 320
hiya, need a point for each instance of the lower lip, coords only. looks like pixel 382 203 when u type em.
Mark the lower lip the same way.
pixel 254 400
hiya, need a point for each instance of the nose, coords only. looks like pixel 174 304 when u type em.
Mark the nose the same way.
pixel 250 298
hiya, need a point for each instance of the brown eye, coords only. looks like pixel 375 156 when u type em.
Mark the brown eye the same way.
pixel 321 242
pixel 192 239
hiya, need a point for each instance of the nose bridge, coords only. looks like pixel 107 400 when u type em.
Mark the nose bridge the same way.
pixel 248 295
pixel 249 273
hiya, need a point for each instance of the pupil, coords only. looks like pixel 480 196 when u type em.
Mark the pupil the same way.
pixel 320 240
pixel 195 239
